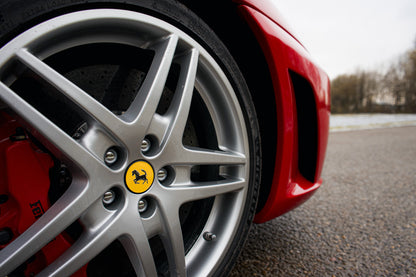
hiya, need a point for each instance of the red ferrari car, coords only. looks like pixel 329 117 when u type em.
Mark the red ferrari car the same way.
pixel 143 137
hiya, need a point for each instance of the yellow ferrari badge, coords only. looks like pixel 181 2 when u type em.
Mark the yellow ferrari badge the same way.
pixel 139 176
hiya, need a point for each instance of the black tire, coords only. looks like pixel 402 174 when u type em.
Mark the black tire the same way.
pixel 17 16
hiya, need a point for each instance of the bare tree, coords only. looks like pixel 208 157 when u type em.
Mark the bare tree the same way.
pixel 410 81
pixel 371 91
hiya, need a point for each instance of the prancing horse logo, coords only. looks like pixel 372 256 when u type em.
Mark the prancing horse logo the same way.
pixel 140 177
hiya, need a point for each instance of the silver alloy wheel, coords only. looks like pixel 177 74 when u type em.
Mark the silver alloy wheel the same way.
pixel 85 154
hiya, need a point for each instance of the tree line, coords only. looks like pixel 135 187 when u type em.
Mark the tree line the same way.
pixel 392 91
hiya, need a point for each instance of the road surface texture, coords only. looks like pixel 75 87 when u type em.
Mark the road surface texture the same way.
pixel 361 222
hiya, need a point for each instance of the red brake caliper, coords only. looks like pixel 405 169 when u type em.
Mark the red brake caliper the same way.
pixel 24 187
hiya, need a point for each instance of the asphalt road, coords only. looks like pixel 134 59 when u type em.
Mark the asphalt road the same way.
pixel 361 222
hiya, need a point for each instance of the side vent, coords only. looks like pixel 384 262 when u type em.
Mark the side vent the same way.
pixel 307 126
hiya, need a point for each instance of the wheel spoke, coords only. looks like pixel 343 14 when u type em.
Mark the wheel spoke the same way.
pixel 173 240
pixel 144 106
pixel 89 245
pixel 68 147
pixel 159 126
pixel 179 109
pixel 83 100
pixel 203 190
pixel 153 225
pixel 137 246
pixel 199 156
pixel 63 213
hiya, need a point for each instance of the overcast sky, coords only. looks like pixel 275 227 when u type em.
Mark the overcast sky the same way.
pixel 343 36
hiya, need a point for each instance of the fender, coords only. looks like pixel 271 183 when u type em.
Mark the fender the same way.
pixel 285 54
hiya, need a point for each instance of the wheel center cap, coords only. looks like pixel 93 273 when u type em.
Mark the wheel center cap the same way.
pixel 139 176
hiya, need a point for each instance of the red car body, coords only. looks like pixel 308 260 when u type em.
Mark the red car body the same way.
pixel 296 145
pixel 285 54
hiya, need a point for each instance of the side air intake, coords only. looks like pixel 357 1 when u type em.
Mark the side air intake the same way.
pixel 307 126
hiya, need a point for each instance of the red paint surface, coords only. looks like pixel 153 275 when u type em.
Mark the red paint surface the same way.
pixel 268 8
pixel 283 53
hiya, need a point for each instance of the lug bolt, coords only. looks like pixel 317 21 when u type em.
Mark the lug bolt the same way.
pixel 208 236
pixel 145 146
pixel 162 174
pixel 109 197
pixel 143 205
pixel 110 156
